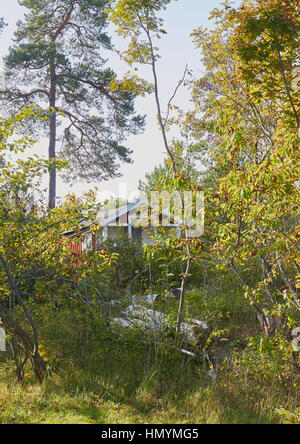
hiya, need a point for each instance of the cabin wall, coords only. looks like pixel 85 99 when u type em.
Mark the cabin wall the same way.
pixel 115 233
pixel 75 245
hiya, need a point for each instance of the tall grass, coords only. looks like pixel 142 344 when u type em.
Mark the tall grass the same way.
pixel 102 377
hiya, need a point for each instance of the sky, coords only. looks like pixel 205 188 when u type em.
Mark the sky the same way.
pixel 176 51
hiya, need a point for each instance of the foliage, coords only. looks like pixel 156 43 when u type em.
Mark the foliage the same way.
pixel 267 361
pixel 244 128
pixel 162 177
pixel 127 275
pixel 99 377
pixel 267 40
pixel 133 18
pixel 252 210
pixel 35 257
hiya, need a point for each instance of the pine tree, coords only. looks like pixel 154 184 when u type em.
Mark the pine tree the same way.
pixel 58 63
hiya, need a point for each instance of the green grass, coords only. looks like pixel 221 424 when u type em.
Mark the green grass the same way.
pixel 99 377
pixel 80 397
pixel 112 390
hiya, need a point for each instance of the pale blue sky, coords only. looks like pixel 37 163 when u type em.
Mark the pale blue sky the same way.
pixel 176 50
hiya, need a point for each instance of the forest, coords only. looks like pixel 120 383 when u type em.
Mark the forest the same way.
pixel 183 328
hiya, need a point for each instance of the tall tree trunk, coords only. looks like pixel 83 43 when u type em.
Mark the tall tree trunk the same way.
pixel 52 143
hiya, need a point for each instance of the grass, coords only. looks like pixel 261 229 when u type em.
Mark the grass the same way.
pixel 125 393
pixel 100 378
pixel 83 398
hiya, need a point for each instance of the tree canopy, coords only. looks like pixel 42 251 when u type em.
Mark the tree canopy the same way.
pixel 247 111
pixel 59 63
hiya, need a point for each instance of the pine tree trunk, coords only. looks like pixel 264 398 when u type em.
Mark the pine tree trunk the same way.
pixel 52 143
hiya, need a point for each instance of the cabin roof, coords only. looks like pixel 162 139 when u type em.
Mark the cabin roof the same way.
pixel 108 216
